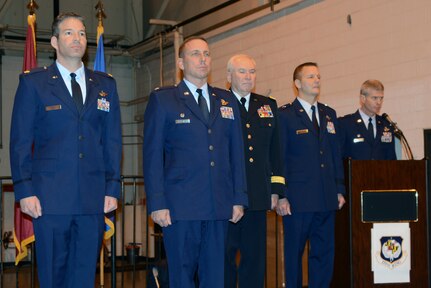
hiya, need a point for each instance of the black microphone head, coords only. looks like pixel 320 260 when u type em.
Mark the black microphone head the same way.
pixel 384 115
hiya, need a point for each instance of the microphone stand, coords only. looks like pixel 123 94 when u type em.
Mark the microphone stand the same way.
pixel 403 139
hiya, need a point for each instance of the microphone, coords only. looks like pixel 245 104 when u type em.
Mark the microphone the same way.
pixel 399 133
pixel 393 124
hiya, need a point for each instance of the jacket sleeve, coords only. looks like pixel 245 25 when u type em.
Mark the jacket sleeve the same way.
pixel 339 165
pixel 22 137
pixel 154 120
pixel 278 182
pixel 237 158
pixel 112 145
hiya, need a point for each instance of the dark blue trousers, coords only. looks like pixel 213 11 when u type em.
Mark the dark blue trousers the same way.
pixel 318 228
pixel 195 248
pixel 67 248
pixel 248 237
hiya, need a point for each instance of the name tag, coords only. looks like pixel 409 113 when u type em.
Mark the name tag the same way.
pixel 357 140
pixel 302 131
pixel 182 121
pixel 53 107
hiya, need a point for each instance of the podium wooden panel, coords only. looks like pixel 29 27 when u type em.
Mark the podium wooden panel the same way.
pixel 353 237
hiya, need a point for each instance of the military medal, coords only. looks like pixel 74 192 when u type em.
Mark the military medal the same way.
pixel 103 104
pixel 265 112
pixel 227 112
pixel 330 127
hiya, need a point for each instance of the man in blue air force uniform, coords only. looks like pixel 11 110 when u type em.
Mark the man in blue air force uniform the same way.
pixel 65 153
pixel 194 169
pixel 365 135
pixel 265 181
pixel 315 181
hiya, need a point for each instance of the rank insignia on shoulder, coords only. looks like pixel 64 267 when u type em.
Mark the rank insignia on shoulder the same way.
pixel 286 105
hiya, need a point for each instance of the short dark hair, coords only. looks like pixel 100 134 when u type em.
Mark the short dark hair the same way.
pixel 298 70
pixel 181 49
pixel 60 18
pixel 371 85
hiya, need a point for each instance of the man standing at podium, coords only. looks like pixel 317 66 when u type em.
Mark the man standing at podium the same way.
pixel 365 135
pixel 314 177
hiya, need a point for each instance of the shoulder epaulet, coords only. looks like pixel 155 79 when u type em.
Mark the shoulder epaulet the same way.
pixel 35 70
pixel 220 89
pixel 165 88
pixel 272 98
pixel 104 74
pixel 286 106
pixel 348 115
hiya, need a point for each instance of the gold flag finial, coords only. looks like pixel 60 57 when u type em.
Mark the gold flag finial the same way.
pixel 100 11
pixel 32 6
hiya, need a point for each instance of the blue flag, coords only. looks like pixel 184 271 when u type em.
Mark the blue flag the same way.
pixel 99 62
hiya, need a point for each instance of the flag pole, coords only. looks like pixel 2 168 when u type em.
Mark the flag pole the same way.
pixel 100 15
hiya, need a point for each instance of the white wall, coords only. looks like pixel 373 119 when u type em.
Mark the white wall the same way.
pixel 389 40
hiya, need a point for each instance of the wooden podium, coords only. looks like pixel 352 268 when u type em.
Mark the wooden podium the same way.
pixel 353 236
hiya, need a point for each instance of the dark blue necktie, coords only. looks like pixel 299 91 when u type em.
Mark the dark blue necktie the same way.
pixel 203 104
pixel 76 92
pixel 370 128
pixel 314 119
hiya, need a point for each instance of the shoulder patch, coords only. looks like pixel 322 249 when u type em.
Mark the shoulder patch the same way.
pixel 220 89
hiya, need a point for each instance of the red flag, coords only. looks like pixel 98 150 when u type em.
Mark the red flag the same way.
pixel 23 231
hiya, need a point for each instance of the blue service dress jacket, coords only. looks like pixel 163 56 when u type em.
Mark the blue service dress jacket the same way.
pixel 262 152
pixel 313 165
pixel 69 160
pixel 358 145
pixel 192 167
